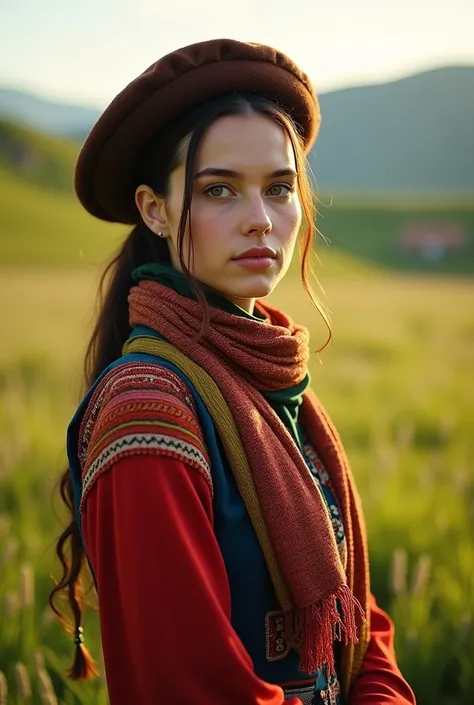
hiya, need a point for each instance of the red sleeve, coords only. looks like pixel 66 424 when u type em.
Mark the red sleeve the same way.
pixel 380 681
pixel 164 599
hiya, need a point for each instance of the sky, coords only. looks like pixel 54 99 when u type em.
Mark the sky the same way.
pixel 86 51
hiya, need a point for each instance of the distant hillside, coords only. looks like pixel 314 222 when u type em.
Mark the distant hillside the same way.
pixel 41 221
pixel 416 134
pixel 47 116
pixel 38 158
pixel 41 226
pixel 412 135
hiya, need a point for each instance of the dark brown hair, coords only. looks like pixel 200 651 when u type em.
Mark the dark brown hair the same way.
pixel 167 151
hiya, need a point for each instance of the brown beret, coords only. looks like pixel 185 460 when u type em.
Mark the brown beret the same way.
pixel 165 91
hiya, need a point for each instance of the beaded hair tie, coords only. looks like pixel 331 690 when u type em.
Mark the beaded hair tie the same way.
pixel 79 636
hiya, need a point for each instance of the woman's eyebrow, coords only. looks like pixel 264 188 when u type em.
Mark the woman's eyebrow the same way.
pixel 230 173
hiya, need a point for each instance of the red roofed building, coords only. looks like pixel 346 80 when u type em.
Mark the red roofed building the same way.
pixel 433 240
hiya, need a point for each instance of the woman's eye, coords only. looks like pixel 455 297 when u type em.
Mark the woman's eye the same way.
pixel 218 191
pixel 280 189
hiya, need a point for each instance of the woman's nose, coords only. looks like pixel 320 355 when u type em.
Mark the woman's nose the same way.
pixel 257 219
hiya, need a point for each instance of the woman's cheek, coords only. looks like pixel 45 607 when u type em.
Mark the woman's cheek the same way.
pixel 292 231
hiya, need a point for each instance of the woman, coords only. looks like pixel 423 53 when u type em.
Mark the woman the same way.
pixel 210 492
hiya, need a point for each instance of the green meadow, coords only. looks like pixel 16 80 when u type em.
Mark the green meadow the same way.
pixel 396 378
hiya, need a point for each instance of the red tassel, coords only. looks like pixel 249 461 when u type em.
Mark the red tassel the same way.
pixel 312 630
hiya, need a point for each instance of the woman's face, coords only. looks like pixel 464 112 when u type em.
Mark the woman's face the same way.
pixel 244 198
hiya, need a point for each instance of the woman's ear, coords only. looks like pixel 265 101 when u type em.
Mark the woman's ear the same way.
pixel 152 209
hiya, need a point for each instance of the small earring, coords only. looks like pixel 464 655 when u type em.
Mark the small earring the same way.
pixel 160 234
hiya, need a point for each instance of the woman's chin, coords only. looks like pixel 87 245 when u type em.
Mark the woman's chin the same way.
pixel 256 287
pixel 252 292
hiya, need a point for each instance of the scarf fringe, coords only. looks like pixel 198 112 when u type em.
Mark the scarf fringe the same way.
pixel 312 630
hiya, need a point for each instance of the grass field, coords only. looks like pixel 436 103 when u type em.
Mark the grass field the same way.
pixel 397 380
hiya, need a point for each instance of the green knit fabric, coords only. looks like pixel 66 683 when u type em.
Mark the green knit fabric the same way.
pixel 285 402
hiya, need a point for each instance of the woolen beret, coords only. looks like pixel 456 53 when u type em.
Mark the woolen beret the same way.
pixel 168 89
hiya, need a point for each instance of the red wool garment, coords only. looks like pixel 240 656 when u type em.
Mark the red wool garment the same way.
pixel 165 608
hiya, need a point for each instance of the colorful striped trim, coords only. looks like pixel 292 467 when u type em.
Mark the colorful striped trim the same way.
pixel 140 409
pixel 133 375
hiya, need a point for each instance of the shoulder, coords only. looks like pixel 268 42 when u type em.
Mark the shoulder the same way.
pixel 137 409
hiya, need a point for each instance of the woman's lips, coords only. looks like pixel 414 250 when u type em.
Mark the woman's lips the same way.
pixel 255 262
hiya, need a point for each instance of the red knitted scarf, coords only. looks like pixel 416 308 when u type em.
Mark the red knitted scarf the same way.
pixel 245 357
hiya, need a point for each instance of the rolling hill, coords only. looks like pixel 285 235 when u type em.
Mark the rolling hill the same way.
pixel 411 135
pixel 39 158
pixel 48 116
pixel 42 223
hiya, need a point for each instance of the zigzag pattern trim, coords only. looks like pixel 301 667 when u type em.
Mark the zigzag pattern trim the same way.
pixel 134 444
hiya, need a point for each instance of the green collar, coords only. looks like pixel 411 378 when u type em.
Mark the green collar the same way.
pixel 168 276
